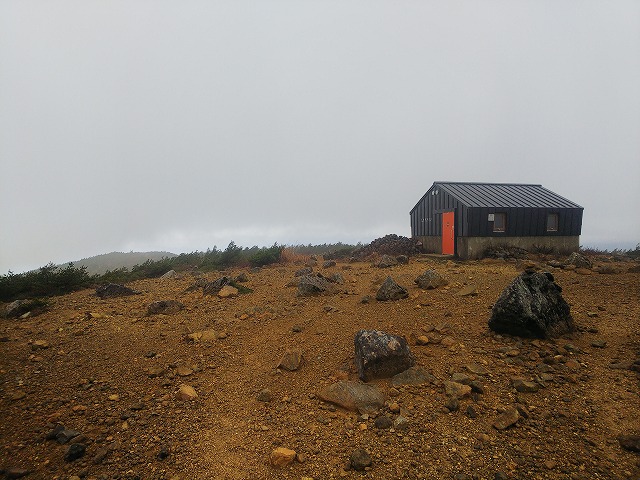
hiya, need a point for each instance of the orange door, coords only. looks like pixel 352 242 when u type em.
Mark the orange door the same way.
pixel 448 239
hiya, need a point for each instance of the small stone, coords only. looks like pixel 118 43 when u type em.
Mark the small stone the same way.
pixel 291 360
pixel 100 456
pixel 452 404
pixel 39 345
pixel 477 369
pixel 550 464
pixel 114 397
pixel 599 343
pixel 422 340
pixel 471 412
pixel 186 393
pixel 630 442
pixel 354 396
pixel 457 390
pixel 265 396
pixel 572 364
pixel 447 341
pixel 164 307
pixel 163 453
pixel 155 371
pixel 75 451
pixel 15 472
pixel 281 457
pixel 17 395
pixel 360 460
pixel 184 371
pixel 401 423
pixel 525 387
pixel 383 422
pixel 390 290
pixel 506 419
pixel 412 376
pixel 469 290
pixel 228 291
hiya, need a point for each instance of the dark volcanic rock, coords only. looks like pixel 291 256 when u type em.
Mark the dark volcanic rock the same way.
pixel 390 245
pixel 386 261
pixel 304 271
pixel 198 284
pixel 390 290
pixel 430 279
pixel 213 288
pixel 578 260
pixel 75 451
pixel 532 306
pixel 360 460
pixel 164 307
pixel 310 285
pixel 380 354
pixel 111 290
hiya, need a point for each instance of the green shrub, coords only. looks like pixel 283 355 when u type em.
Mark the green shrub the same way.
pixel 266 256
pixel 46 281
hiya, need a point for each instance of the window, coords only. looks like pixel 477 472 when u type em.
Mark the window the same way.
pixel 499 222
pixel 552 222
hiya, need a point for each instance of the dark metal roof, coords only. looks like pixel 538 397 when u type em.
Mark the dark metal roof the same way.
pixel 504 195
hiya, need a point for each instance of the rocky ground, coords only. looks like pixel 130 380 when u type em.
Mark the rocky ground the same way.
pixel 107 374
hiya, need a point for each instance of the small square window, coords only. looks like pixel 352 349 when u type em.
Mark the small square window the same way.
pixel 499 222
pixel 552 222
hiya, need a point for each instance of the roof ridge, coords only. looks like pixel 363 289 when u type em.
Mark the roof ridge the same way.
pixel 489 183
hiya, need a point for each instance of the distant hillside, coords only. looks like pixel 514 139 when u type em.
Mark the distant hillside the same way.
pixel 114 260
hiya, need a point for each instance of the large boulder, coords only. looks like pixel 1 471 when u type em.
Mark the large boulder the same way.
pixel 390 290
pixel 111 290
pixel 430 279
pixel 380 354
pixel 532 306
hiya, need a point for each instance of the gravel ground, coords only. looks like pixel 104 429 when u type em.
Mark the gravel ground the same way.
pixel 109 372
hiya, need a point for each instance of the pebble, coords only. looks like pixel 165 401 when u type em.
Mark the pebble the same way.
pixel 264 396
pixel 360 460
pixel 281 457
pixel 17 395
pixel 506 419
pixel 187 392
pixel 75 451
pixel 291 360
pixel 14 472
pixel 383 422
pixel 524 386
pixel 457 390
pixel 39 345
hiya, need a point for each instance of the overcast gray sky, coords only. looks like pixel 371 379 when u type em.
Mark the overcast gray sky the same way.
pixel 180 125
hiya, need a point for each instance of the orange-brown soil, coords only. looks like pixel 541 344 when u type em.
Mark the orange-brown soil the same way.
pixel 96 376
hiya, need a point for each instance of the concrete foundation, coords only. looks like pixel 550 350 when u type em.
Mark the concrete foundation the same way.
pixel 474 247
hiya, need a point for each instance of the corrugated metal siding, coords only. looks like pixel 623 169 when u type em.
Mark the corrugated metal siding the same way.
pixel 426 216
pixel 526 207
